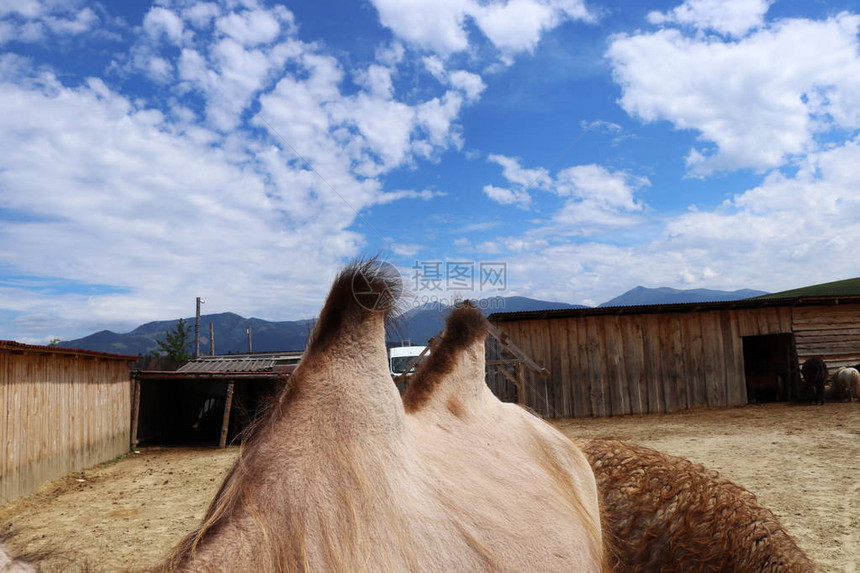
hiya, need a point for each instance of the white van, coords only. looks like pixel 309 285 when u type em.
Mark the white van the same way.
pixel 400 357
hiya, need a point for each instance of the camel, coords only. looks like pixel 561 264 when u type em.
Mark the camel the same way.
pixel 343 475
pixel 665 514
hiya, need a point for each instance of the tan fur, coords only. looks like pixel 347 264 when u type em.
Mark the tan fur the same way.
pixel 664 514
pixel 343 477
pixel 9 564
pixel 847 381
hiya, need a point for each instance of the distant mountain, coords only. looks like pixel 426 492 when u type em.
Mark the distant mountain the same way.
pixel 417 325
pixel 665 295
pixel 230 335
pixel 421 323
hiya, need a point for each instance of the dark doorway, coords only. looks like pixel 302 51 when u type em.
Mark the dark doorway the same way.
pixel 176 411
pixel 770 366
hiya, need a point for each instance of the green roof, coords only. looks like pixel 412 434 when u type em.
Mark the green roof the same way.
pixel 846 287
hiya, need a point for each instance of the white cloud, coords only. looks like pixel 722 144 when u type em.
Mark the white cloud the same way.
pixel 40 20
pixel 595 199
pixel 512 26
pixel 601 125
pixel 517 25
pixel 150 188
pixel 437 25
pixel 377 80
pixel 255 27
pixel 436 118
pixel 160 22
pixel 515 173
pixel 788 232
pixel 759 101
pixel 599 185
pixel 201 14
pixel 471 84
pixel 425 194
pixel 732 17
pixel 517 197
pixel 406 249
pixel 86 167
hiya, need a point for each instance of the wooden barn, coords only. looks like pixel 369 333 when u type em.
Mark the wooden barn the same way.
pixel 209 400
pixel 61 410
pixel 650 359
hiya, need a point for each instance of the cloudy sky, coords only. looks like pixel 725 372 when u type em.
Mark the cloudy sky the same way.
pixel 243 151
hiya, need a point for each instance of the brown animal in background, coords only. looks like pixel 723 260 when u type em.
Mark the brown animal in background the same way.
pixel 763 384
pixel 847 382
pixel 343 477
pixel 663 514
pixel 815 374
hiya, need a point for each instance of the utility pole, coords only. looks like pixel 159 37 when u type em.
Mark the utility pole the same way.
pixel 197 329
pixel 211 339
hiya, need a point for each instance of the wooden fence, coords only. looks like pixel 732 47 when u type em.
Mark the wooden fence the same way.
pixel 61 410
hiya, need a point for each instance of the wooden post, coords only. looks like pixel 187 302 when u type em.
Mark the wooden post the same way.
pixel 135 411
pixel 225 424
pixel 197 329
pixel 521 391
pixel 211 339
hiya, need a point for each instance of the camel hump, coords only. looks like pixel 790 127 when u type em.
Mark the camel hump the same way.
pixel 454 371
pixel 363 289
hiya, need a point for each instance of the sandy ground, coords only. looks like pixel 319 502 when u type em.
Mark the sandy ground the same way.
pixel 803 462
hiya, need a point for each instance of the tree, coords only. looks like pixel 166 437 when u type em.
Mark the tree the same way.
pixel 176 344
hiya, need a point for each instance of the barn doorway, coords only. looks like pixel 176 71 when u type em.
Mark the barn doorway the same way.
pixel 770 368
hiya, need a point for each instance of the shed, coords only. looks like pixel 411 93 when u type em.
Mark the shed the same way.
pixel 211 399
pixel 611 361
pixel 61 410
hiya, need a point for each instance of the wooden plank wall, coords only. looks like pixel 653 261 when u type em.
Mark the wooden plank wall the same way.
pixel 612 365
pixel 59 414
pixel 832 332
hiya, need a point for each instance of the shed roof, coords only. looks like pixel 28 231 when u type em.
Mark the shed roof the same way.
pixel 12 346
pixel 230 363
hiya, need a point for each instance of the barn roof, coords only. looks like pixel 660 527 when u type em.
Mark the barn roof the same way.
pixel 847 287
pixel 12 346
pixel 777 299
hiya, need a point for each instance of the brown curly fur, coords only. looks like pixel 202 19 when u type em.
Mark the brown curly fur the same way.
pixel 664 514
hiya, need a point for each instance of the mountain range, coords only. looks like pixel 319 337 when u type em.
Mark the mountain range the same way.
pixel 664 295
pixel 414 326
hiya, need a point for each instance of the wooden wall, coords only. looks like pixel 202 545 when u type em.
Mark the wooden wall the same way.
pixel 612 365
pixel 832 332
pixel 59 413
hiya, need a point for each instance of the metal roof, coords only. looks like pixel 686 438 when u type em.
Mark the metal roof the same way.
pixel 759 302
pixel 263 362
pixel 12 346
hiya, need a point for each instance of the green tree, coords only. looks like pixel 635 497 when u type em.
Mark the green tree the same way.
pixel 176 344
pixel 54 342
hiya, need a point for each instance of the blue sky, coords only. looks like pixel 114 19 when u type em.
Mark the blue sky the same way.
pixel 243 151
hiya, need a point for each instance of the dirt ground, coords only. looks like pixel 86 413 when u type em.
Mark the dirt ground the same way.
pixel 803 462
